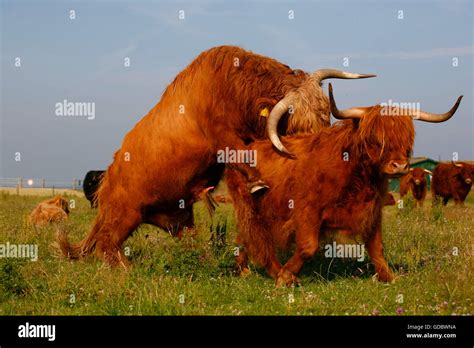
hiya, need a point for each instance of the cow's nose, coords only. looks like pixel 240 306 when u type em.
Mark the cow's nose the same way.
pixel 400 167
pixel 468 181
pixel 417 182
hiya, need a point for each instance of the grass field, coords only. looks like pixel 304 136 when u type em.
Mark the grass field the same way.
pixel 430 250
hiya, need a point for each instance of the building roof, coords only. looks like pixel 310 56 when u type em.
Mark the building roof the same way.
pixel 417 160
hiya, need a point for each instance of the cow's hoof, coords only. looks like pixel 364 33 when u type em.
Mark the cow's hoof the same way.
pixel 286 278
pixel 244 272
pixel 257 186
pixel 385 277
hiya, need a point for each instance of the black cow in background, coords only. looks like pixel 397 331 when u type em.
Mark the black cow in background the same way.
pixel 91 184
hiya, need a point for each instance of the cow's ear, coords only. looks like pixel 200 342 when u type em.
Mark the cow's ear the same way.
pixel 264 106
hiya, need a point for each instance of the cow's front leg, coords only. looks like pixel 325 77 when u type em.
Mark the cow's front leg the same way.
pixel 307 244
pixel 375 251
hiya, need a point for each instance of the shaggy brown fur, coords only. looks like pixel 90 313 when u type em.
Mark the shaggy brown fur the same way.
pixel 320 192
pixel 169 158
pixel 415 181
pixel 52 210
pixel 450 181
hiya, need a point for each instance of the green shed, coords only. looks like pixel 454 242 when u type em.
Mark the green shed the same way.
pixel 415 162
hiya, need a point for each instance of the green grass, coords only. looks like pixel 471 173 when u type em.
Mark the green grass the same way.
pixel 195 276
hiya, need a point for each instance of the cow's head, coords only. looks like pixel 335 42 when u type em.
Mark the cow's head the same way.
pixel 60 202
pixel 418 175
pixel 464 172
pixel 303 103
pixel 385 135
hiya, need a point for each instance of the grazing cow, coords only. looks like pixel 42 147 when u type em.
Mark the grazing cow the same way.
pixel 220 101
pixel 415 181
pixel 338 181
pixel 91 184
pixel 452 180
pixel 389 199
pixel 52 210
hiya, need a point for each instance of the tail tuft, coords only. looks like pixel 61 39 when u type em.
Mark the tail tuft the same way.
pixel 72 251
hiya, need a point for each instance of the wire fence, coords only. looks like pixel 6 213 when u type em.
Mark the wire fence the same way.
pixel 21 183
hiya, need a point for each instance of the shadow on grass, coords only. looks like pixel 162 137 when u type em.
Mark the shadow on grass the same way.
pixel 321 268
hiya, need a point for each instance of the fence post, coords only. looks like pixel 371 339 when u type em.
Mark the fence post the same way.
pixel 74 184
pixel 18 189
pixel 53 190
pixel 43 182
pixel 20 182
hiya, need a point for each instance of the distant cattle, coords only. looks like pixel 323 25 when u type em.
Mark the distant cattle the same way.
pixel 91 184
pixel 452 180
pixel 338 182
pixel 415 181
pixel 52 210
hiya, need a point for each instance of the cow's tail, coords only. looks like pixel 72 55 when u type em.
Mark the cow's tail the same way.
pixel 254 233
pixel 75 251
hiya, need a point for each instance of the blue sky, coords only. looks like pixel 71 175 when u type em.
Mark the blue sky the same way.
pixel 82 60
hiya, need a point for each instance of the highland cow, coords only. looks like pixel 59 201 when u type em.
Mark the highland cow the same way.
pixel 452 180
pixel 415 181
pixel 52 210
pixel 338 182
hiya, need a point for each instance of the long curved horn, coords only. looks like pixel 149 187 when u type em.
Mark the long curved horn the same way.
pixel 324 74
pixel 428 171
pixel 459 165
pixel 283 105
pixel 354 113
pixel 437 118
pixel 272 124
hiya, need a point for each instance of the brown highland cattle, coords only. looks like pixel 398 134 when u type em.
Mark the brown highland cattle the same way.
pixel 415 181
pixel 170 157
pixel 452 180
pixel 322 190
pixel 52 210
